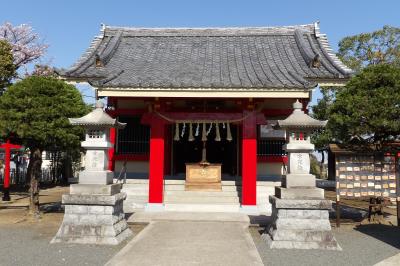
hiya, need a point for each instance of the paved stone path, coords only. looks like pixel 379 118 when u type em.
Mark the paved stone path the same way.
pixel 190 243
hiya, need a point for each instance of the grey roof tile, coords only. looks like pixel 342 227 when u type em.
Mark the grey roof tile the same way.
pixel 268 57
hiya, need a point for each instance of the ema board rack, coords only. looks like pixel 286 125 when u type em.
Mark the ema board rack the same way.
pixel 362 176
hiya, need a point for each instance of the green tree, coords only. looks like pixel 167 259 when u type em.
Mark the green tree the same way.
pixel 381 46
pixel 7 67
pixel 322 137
pixel 367 110
pixel 34 112
pixel 315 169
pixel 358 51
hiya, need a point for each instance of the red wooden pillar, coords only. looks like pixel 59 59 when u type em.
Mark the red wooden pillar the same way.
pixel 249 160
pixel 111 151
pixel 156 168
pixel 6 185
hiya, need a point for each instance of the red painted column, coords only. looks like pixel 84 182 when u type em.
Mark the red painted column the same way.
pixel 249 159
pixel 156 171
pixel 6 186
pixel 111 151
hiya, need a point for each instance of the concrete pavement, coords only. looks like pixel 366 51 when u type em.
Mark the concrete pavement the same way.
pixel 180 242
pixel 391 261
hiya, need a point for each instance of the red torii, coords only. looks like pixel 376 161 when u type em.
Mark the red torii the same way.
pixel 7 157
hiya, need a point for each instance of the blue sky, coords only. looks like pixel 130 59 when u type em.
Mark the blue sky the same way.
pixel 69 26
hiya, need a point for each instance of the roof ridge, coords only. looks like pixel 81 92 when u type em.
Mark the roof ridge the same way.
pixel 105 27
pixel 207 31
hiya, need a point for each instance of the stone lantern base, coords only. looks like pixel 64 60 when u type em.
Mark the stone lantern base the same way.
pixel 93 215
pixel 300 223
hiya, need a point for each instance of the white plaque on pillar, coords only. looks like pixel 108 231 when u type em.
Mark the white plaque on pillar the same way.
pixel 299 163
pixel 95 160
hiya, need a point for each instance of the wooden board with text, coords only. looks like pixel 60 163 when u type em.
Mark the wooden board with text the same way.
pixel 361 176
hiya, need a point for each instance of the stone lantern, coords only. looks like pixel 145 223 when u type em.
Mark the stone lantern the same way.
pixel 300 213
pixel 93 208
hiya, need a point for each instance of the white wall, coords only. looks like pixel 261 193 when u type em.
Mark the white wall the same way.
pixel 265 169
pixel 134 169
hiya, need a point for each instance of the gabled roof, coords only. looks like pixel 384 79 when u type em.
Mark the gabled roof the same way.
pixel 293 57
pixel 97 118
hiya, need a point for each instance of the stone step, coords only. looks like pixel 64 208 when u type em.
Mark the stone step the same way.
pixel 302 235
pixel 200 199
pixel 130 207
pixel 137 198
pixel 262 200
pixel 277 244
pixel 302 224
pixel 183 193
pixel 136 186
pixel 228 183
pixel 182 186
pixel 302 214
pixel 268 184
pixel 132 189
pixel 178 181
pixel 264 209
pixel 136 192
pixel 202 207
pixel 265 188
pixel 178 187
pixel 299 193
pixel 203 187
pixel 135 181
pixel 182 182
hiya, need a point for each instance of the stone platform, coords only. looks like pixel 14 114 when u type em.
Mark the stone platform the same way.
pixel 93 218
pixel 300 224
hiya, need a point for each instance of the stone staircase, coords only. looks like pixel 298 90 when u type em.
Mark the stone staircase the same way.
pixel 177 199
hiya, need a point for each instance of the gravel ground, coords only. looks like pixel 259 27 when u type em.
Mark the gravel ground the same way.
pixel 28 244
pixel 363 245
pixel 24 245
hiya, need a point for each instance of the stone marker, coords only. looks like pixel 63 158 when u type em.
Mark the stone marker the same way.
pixel 300 213
pixel 93 208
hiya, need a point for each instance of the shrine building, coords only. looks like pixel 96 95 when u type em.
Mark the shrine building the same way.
pixel 199 105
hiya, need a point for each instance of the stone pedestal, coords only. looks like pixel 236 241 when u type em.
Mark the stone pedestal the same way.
pixel 93 215
pixel 300 224
pixel 300 213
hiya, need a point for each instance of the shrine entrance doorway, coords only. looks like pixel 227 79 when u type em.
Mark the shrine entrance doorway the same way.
pixel 224 152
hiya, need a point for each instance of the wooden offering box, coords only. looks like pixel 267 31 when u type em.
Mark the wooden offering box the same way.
pixel 203 177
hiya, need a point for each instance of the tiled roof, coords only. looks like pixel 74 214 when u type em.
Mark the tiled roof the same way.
pixel 270 57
